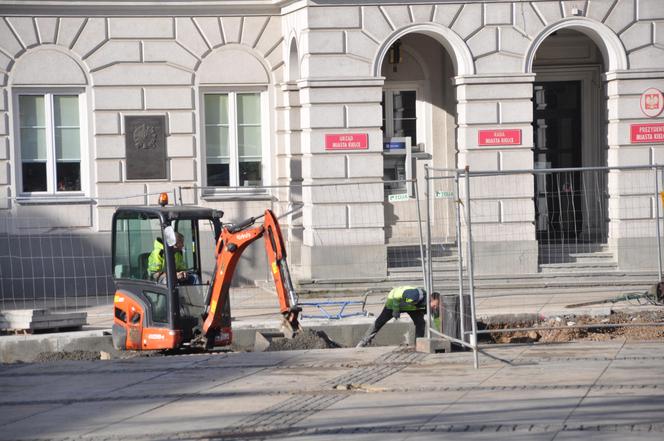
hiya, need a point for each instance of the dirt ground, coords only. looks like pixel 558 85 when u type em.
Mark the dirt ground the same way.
pixel 46 357
pixel 307 339
pixel 638 327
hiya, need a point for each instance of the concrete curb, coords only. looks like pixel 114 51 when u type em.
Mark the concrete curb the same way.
pixel 26 348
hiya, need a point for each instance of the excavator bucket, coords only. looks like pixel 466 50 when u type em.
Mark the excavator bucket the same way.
pixel 290 325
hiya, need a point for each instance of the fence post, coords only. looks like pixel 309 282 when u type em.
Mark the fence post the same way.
pixel 422 257
pixel 457 204
pixel 659 236
pixel 427 271
pixel 180 194
pixel 471 275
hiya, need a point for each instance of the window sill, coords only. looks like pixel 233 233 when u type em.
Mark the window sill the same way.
pixel 54 200
pixel 221 195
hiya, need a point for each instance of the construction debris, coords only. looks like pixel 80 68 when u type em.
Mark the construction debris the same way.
pixel 40 320
pixel 582 327
pixel 46 357
pixel 307 339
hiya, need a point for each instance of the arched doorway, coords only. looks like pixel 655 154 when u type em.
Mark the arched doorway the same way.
pixel 569 129
pixel 419 127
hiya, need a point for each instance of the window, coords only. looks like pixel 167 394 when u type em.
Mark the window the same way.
pixel 188 231
pixel 400 133
pixel 400 114
pixel 50 142
pixel 135 237
pixel 233 139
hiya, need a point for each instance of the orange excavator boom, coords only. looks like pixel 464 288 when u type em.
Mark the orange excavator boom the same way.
pixel 233 240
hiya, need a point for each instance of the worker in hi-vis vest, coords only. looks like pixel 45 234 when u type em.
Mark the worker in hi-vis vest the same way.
pixel 409 299
pixel 157 267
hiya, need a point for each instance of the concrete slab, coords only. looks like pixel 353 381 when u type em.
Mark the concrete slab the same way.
pixel 432 345
pixel 40 319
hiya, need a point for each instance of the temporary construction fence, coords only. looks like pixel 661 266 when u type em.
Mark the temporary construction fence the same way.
pixel 501 239
pixel 53 253
pixel 543 242
pixel 57 254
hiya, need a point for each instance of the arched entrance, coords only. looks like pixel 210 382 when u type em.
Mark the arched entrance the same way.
pixel 569 129
pixel 418 124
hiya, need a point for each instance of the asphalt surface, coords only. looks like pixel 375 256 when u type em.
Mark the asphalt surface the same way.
pixel 602 391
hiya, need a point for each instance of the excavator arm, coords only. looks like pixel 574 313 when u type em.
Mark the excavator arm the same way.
pixel 233 240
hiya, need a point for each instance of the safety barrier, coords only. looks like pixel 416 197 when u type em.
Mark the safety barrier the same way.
pixel 540 247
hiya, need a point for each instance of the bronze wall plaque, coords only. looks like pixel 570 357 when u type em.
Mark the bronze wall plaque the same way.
pixel 145 146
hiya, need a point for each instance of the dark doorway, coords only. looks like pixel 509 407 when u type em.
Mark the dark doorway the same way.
pixel 558 144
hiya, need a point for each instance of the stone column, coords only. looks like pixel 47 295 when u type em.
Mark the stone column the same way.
pixel 632 209
pixel 503 211
pixel 344 233
pixel 289 169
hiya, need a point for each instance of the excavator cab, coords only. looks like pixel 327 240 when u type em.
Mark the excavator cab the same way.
pixel 161 287
pixel 164 299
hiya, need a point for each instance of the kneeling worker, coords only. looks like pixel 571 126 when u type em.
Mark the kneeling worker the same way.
pixel 408 299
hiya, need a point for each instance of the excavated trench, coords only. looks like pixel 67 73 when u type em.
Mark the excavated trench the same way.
pixel 633 326
pixel 307 339
pixel 639 326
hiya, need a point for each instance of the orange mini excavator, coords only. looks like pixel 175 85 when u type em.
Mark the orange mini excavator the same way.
pixel 160 302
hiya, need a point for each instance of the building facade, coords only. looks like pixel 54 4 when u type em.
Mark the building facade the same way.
pixel 105 102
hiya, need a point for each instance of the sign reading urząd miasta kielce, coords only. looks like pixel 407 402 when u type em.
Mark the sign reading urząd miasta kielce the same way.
pixel 347 141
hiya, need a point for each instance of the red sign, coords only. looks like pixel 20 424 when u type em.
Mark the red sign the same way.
pixel 647 133
pixel 347 141
pixel 499 137
pixel 652 102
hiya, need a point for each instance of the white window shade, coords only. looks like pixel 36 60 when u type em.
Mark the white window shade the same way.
pixel 66 128
pixel 217 128
pixel 249 141
pixel 67 144
pixel 33 128
pixel 249 130
pixel 216 109
pixel 249 108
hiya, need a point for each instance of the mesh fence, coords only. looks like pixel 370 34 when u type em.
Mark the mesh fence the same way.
pixel 587 224
pixel 548 243
pixel 446 270
pixel 541 240
pixel 341 242
pixel 57 255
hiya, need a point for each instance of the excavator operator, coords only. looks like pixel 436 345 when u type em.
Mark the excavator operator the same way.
pixel 156 267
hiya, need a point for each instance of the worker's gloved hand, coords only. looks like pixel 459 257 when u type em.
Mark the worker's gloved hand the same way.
pixel 395 314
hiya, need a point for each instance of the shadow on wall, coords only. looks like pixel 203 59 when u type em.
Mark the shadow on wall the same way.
pixel 52 266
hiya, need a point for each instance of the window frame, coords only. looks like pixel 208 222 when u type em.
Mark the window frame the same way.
pixel 422 109
pixel 51 161
pixel 234 163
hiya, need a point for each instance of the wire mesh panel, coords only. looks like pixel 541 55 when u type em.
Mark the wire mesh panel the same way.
pixel 51 258
pixel 571 213
pixel 563 243
pixel 446 270
pixel 56 254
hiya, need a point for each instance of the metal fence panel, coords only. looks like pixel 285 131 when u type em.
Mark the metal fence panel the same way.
pixel 581 233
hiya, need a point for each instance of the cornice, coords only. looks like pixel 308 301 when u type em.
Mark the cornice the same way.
pixel 125 8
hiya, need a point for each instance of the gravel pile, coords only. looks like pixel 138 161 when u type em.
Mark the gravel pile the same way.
pixel 45 357
pixel 307 339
